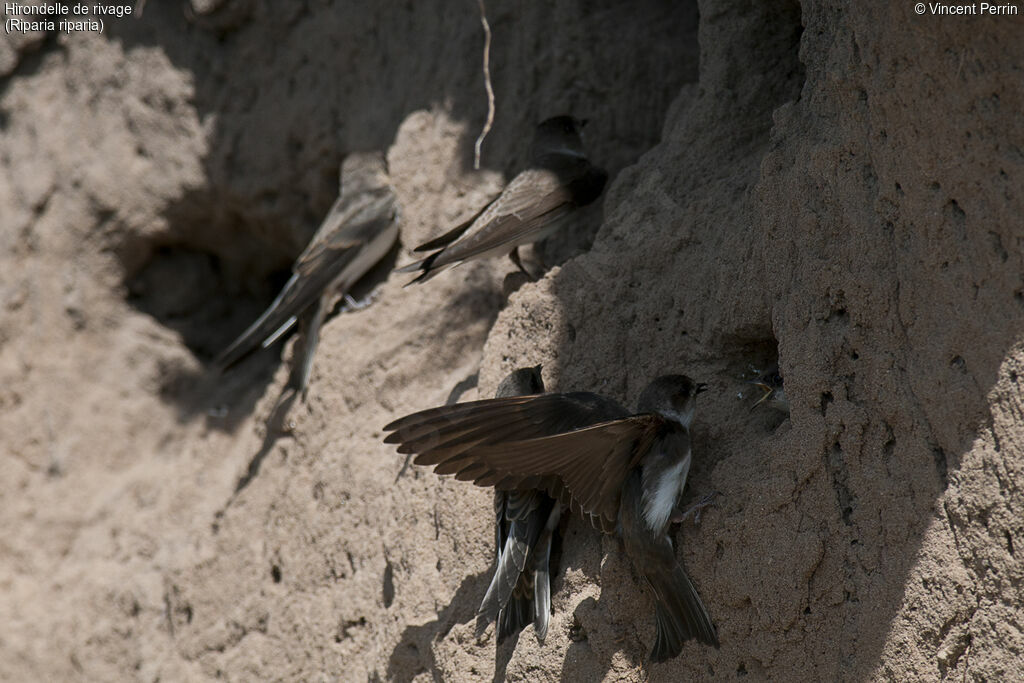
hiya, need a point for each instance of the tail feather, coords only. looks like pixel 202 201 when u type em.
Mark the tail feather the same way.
pixel 518 612
pixel 542 588
pixel 679 613
pixel 413 267
pixel 309 329
pixel 511 563
pixel 424 266
pixel 668 635
pixel 520 591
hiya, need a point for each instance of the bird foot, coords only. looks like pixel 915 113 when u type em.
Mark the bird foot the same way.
pixel 697 509
pixel 351 304
pixel 405 466
pixel 278 420
pixel 514 257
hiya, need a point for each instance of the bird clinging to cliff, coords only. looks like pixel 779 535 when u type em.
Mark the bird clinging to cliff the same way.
pixel 526 521
pixel 535 204
pixel 359 230
pixel 625 472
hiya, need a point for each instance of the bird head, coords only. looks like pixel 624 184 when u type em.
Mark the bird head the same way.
pixel 770 384
pixel 672 396
pixel 521 382
pixel 559 135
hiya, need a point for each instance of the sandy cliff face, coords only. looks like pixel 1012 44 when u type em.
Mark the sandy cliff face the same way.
pixel 834 188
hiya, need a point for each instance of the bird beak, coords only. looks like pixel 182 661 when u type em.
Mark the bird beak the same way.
pixel 701 387
pixel 583 123
pixel 767 392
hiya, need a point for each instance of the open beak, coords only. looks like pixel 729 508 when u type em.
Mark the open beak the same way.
pixel 767 392
pixel 701 387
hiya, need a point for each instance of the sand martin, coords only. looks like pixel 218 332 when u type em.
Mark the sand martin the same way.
pixel 532 206
pixel 526 521
pixel 359 230
pixel 625 472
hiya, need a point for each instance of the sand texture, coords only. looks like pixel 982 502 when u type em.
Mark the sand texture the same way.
pixel 836 187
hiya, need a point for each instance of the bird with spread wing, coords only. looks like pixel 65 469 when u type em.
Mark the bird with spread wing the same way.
pixel 625 472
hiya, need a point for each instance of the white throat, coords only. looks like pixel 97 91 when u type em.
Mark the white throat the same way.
pixel 684 418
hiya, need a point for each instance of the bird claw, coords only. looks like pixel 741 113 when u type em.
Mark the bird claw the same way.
pixel 405 466
pixel 514 257
pixel 697 509
pixel 351 304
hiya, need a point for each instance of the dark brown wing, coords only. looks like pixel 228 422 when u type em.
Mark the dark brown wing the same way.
pixel 514 418
pixel 455 233
pixel 578 447
pixel 534 199
pixel 519 215
pixel 345 242
pixel 351 222
pixel 591 464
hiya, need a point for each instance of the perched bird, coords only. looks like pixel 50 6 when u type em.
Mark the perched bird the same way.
pixel 359 230
pixel 774 396
pixel 625 472
pixel 526 521
pixel 532 206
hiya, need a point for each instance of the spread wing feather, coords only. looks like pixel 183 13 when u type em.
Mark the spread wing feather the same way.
pixel 578 447
pixel 585 467
pixel 498 419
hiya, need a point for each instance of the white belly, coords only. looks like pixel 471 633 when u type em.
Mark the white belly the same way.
pixel 660 496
